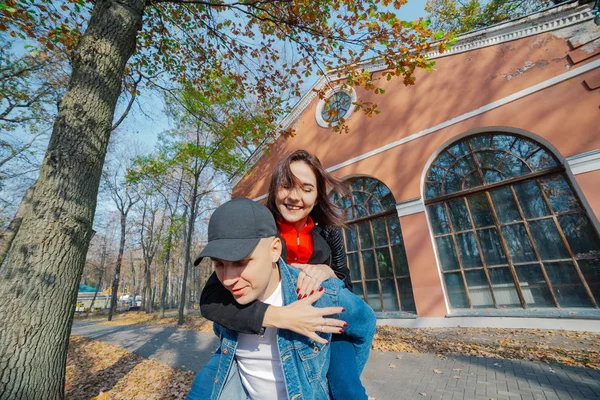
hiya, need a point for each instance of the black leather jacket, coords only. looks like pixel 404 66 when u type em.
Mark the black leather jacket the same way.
pixel 218 304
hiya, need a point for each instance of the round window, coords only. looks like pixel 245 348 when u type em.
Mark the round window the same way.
pixel 339 105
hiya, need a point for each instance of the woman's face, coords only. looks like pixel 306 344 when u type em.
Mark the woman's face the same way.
pixel 296 203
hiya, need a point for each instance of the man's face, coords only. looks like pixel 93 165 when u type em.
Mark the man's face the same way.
pixel 254 277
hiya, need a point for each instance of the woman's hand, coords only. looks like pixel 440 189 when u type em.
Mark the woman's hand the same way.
pixel 304 319
pixel 310 278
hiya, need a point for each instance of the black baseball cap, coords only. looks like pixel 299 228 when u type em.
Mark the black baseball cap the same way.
pixel 235 228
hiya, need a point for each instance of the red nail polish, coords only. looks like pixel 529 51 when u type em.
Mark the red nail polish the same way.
pixel 297 290
pixel 304 296
pixel 345 324
pixel 326 342
pixel 343 309
pixel 312 291
pixel 341 331
pixel 321 289
pixel 299 296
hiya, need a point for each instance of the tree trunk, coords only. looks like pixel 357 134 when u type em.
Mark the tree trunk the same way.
pixel 46 260
pixel 148 293
pixel 115 284
pixel 188 248
pixel 9 234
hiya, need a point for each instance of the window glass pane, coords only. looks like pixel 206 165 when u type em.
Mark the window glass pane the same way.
pixel 512 166
pixel 469 253
pixel 357 289
pixel 492 176
pixel 400 261
pixel 357 184
pixel 373 298
pixel 439 219
pixel 447 253
pixel 393 224
pixel 504 287
pixel 379 232
pixel 390 300
pixel 351 243
pixel 531 200
pixel 444 160
pixel 345 202
pixel 360 198
pixel 480 210
pixel 541 160
pixel 463 166
pixel 567 286
pixel 560 195
pixel 364 232
pixel 504 203
pixel 502 142
pixel 373 206
pixel 433 190
pixel 406 295
pixel 481 142
pixel 493 254
pixel 436 174
pixel 354 266
pixel 548 240
pixel 591 272
pixel 534 287
pixel 453 183
pixel 380 190
pixel 459 215
pixel 388 202
pixel 457 296
pixel 518 243
pixel 385 263
pixel 369 264
pixel 370 184
pixel 479 290
pixel 581 236
pixel 472 180
pixel 489 159
pixel 460 149
pixel 523 148
pixel 359 212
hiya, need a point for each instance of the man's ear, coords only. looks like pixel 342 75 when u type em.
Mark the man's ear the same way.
pixel 275 249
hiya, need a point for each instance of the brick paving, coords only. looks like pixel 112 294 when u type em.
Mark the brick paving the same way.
pixel 428 376
pixel 411 375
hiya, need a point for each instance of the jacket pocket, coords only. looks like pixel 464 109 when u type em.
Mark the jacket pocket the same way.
pixel 313 359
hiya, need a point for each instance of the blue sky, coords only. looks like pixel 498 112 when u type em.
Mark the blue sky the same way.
pixel 145 127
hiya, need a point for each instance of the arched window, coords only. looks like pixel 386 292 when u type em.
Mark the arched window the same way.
pixel 374 246
pixel 509 229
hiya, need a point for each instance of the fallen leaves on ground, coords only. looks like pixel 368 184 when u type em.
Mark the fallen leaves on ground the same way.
pixel 580 349
pixel 104 371
pixel 194 322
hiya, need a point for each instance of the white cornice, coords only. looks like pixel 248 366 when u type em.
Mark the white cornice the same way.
pixel 409 207
pixel 584 162
pixel 544 21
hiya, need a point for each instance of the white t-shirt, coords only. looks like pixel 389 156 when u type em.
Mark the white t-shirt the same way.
pixel 258 360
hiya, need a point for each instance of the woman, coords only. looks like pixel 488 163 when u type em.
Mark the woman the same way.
pixel 310 229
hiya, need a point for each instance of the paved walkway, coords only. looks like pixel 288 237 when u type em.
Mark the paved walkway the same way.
pixel 387 375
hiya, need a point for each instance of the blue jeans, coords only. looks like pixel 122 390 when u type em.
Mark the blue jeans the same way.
pixel 344 374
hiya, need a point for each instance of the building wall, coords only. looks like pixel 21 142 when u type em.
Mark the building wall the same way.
pixel 562 114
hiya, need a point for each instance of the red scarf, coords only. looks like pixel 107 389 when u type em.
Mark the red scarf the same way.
pixel 299 244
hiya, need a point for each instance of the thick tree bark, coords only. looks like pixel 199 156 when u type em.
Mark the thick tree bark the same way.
pixel 115 284
pixel 188 248
pixel 46 260
pixel 9 234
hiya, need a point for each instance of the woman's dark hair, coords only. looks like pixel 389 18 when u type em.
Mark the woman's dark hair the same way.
pixel 324 212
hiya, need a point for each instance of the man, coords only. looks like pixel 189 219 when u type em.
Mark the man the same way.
pixel 280 364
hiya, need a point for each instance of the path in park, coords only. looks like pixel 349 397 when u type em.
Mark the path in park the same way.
pixel 387 375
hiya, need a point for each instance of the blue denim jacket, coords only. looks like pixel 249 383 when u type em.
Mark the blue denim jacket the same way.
pixel 305 362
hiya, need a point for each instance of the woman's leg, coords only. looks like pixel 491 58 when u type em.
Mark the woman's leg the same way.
pixel 343 375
